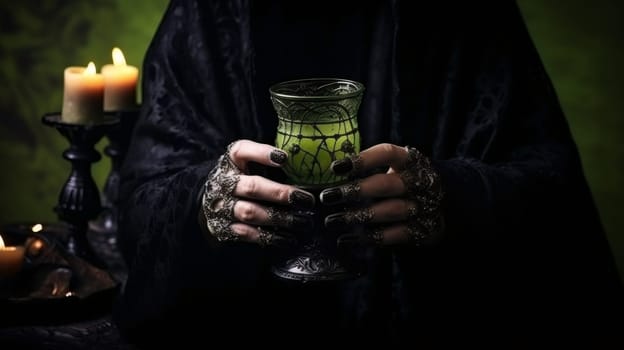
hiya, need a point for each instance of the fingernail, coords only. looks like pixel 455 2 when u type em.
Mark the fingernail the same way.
pixel 331 195
pixel 301 199
pixel 335 221
pixel 342 166
pixel 278 157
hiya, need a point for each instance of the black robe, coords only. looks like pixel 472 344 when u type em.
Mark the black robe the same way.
pixel 523 249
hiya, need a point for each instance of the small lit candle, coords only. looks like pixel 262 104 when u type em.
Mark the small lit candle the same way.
pixel 11 259
pixel 83 95
pixel 120 82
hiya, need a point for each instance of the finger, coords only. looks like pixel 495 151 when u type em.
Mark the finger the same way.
pixel 384 154
pixel 411 232
pixel 379 235
pixel 256 214
pixel 260 188
pixel 243 151
pixel 261 236
pixel 393 234
pixel 269 239
pixel 370 237
pixel 402 233
pixel 375 186
pixel 356 240
pixel 387 211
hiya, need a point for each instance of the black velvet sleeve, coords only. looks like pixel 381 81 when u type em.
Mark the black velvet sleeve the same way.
pixel 195 101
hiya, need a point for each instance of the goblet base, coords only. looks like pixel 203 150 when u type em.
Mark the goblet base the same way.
pixel 313 265
pixel 318 257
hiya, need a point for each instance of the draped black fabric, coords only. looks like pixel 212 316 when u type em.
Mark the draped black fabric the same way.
pixel 461 82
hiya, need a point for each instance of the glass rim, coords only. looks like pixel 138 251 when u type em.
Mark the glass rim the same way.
pixel 359 89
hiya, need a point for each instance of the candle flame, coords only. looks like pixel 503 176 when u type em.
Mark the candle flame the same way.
pixel 90 69
pixel 1 243
pixel 118 57
pixel 37 245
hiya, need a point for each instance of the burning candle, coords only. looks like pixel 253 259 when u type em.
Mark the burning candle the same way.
pixel 83 95
pixel 11 259
pixel 120 82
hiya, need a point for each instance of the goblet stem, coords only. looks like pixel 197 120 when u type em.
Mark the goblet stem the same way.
pixel 317 258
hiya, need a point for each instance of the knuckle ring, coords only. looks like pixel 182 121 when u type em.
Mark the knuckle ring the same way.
pixel 415 159
pixel 356 161
pixel 351 192
pixel 222 231
pixel 422 184
pixel 361 216
pixel 265 238
pixel 377 235
pixel 422 228
pixel 421 180
pixel 412 212
pixel 415 233
pixel 279 218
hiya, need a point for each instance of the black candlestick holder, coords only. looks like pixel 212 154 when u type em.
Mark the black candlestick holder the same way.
pixel 119 140
pixel 79 199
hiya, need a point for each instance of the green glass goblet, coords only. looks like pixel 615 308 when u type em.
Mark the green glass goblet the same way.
pixel 317 124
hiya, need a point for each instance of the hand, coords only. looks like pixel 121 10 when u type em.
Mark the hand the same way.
pixel 408 197
pixel 231 200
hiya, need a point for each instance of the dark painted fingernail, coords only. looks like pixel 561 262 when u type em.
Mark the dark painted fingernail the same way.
pixel 342 166
pixel 331 195
pixel 278 157
pixel 335 221
pixel 301 199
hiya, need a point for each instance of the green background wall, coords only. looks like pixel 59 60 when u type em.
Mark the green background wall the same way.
pixel 581 45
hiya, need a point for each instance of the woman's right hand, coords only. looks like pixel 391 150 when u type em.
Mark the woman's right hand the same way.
pixel 239 207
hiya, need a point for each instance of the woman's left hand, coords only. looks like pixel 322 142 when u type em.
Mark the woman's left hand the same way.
pixel 406 199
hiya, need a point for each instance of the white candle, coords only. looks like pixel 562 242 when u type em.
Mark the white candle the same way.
pixel 83 95
pixel 11 259
pixel 120 82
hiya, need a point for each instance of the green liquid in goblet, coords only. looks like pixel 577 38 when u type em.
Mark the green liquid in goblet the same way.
pixel 317 125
